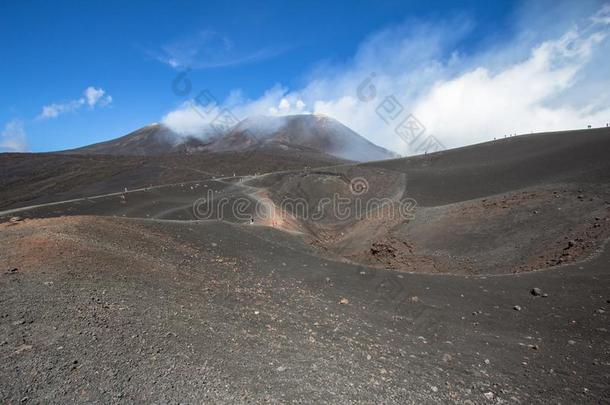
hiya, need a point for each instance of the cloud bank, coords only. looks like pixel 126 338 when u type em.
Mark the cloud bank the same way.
pixel 92 97
pixel 549 79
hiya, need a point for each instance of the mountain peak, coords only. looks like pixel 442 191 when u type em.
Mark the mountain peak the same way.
pixel 312 132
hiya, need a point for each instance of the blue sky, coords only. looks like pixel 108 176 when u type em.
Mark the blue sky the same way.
pixel 74 73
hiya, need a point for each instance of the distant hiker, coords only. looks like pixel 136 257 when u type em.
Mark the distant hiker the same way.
pixel 125 189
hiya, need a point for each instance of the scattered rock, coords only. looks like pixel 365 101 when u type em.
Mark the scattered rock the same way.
pixel 13 270
pixel 517 308
pixel 23 348
pixel 571 342
pixel 544 295
pixel 19 322
pixel 489 396
pixel 487 361
pixel 344 301
pixel 536 291
pixel 447 357
pixel 534 347
pixel 434 389
pixel 600 311
pixel 281 369
pixel 14 220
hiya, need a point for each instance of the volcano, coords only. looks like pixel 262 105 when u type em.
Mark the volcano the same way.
pixel 298 133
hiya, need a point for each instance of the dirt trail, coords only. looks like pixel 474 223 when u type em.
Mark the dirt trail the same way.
pixel 14 211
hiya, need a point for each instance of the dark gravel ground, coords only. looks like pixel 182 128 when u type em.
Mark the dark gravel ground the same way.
pixel 115 310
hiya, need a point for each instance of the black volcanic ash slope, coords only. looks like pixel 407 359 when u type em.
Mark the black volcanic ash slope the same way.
pixel 154 139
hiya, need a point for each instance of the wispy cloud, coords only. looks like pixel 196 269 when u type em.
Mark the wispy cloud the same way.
pixel 13 137
pixel 553 80
pixel 92 97
pixel 603 15
pixel 208 49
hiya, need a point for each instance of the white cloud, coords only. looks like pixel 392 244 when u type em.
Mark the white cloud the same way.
pixel 208 49
pixel 96 97
pixel 13 137
pixel 195 117
pixel 479 104
pixel 190 119
pixel 93 97
pixel 553 79
pixel 56 109
pixel 288 105
pixel 284 105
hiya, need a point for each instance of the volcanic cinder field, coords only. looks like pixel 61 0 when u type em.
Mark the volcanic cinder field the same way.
pixel 483 276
